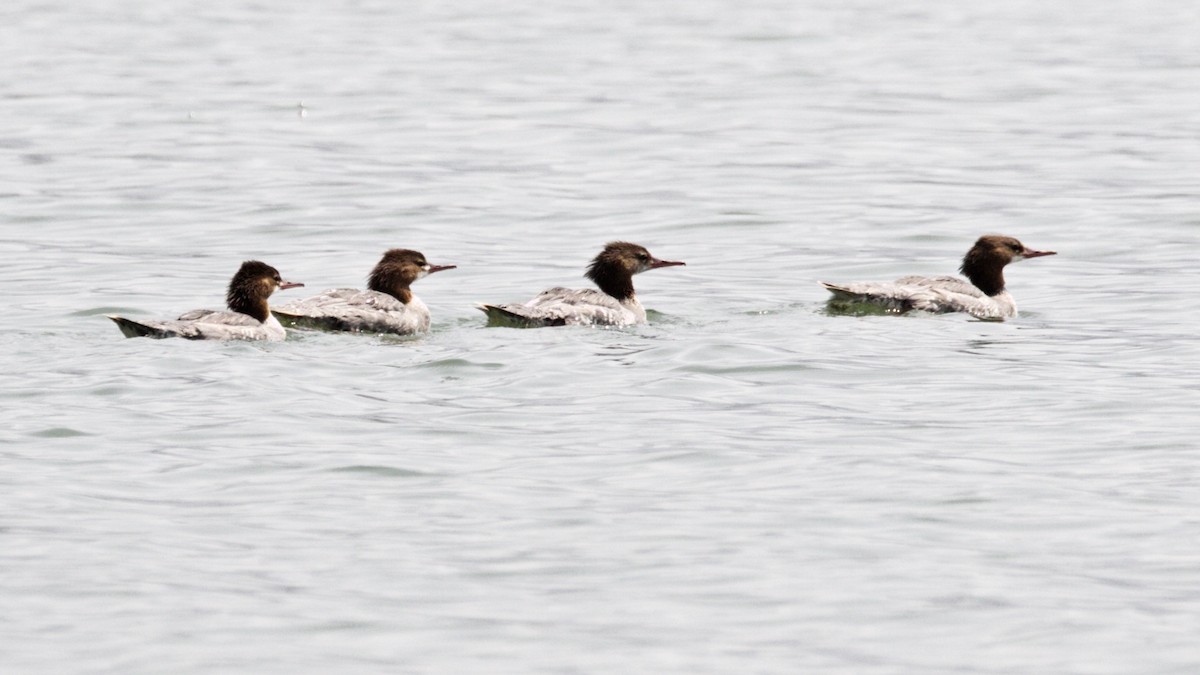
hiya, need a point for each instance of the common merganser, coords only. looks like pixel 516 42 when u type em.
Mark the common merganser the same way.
pixel 615 304
pixel 249 317
pixel 388 306
pixel 984 297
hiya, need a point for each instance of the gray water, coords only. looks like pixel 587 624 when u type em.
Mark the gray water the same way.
pixel 746 484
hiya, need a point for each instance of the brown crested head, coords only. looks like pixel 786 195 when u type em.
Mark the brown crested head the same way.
pixel 250 287
pixel 613 268
pixel 984 263
pixel 398 269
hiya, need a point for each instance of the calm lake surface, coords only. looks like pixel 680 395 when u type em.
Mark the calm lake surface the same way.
pixel 747 483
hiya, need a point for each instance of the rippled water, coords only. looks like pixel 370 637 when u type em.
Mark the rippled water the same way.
pixel 746 484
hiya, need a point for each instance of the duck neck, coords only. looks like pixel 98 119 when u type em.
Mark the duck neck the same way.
pixel 246 301
pixel 613 280
pixel 391 283
pixel 986 274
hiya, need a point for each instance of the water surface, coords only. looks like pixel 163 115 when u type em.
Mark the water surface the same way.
pixel 747 483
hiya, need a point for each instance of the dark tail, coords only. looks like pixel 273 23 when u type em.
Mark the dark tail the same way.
pixel 132 328
pixel 840 292
pixel 314 322
pixel 845 301
pixel 502 316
